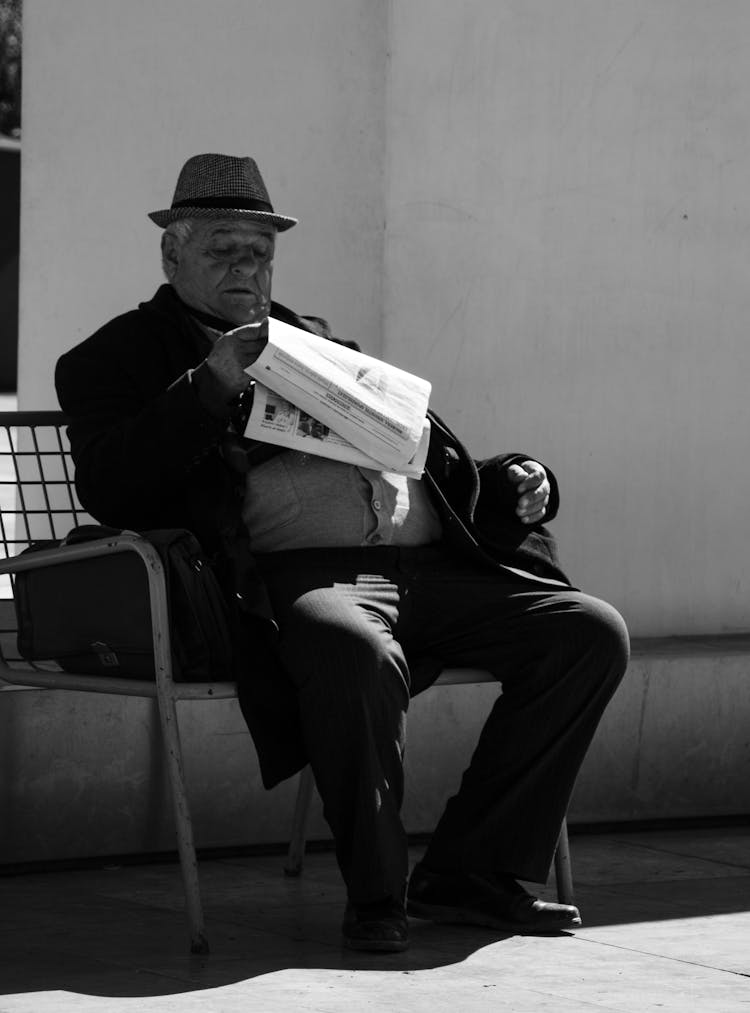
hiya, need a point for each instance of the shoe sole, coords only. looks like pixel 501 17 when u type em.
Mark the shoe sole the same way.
pixel 375 945
pixel 460 916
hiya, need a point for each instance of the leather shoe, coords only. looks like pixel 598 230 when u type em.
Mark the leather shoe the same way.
pixel 491 900
pixel 381 927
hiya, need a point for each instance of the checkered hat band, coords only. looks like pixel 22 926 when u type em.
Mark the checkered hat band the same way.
pixel 233 203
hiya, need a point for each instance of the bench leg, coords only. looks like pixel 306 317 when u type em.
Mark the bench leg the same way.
pixel 183 823
pixel 296 854
pixel 563 868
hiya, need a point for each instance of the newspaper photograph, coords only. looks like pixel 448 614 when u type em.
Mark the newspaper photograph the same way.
pixel 273 419
pixel 377 408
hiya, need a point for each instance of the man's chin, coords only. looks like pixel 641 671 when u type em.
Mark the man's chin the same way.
pixel 243 311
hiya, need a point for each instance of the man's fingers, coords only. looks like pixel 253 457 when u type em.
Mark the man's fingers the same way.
pixel 527 509
pixel 532 506
pixel 534 499
pixel 243 345
pixel 527 475
pixel 533 488
pixel 532 481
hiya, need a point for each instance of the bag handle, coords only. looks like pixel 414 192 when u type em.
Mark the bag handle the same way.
pixel 90 532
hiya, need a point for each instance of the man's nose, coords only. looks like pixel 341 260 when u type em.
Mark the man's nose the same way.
pixel 246 264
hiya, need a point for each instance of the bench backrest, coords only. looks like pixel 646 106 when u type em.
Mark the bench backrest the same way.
pixel 38 500
pixel 37 492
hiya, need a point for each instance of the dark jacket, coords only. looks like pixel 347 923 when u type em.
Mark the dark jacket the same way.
pixel 148 454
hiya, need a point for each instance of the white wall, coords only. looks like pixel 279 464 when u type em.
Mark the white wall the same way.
pixel 568 217
pixel 565 193
pixel 117 95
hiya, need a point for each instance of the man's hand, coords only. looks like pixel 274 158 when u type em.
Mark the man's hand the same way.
pixel 235 350
pixel 533 488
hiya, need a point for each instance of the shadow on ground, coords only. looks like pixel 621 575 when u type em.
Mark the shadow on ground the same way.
pixel 121 931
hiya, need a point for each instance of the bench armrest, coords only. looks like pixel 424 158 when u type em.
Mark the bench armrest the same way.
pixel 126 542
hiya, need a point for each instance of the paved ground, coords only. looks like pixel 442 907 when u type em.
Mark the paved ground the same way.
pixel 666 927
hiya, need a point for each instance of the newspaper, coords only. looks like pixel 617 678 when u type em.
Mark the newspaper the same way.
pixel 373 406
pixel 276 420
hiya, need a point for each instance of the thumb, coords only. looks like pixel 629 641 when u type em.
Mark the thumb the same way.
pixel 516 473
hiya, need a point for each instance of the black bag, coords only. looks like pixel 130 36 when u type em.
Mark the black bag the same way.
pixel 92 616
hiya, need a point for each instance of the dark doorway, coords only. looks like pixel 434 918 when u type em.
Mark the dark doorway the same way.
pixel 10 187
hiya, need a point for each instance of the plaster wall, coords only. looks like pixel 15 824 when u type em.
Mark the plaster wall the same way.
pixel 566 256
pixel 118 95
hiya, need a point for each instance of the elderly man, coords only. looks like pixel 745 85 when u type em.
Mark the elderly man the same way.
pixel 350 588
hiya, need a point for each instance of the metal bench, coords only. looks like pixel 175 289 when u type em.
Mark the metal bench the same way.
pixel 38 502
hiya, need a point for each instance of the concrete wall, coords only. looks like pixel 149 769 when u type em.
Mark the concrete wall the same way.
pixel 673 745
pixel 542 205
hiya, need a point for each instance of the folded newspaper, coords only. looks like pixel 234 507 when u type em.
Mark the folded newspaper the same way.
pixel 323 398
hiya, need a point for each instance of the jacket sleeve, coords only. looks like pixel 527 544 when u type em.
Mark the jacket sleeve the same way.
pixel 146 427
pixel 136 437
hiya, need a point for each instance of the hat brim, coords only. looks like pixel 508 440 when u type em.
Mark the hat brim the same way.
pixel 280 222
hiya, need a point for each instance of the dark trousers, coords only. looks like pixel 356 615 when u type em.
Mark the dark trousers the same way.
pixel 358 624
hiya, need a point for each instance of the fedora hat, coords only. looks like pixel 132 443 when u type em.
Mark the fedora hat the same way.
pixel 221 186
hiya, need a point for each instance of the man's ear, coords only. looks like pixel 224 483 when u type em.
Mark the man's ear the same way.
pixel 170 254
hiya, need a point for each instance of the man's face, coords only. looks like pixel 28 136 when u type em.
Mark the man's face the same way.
pixel 224 268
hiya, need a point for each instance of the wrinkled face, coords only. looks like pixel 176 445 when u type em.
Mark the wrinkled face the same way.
pixel 224 268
